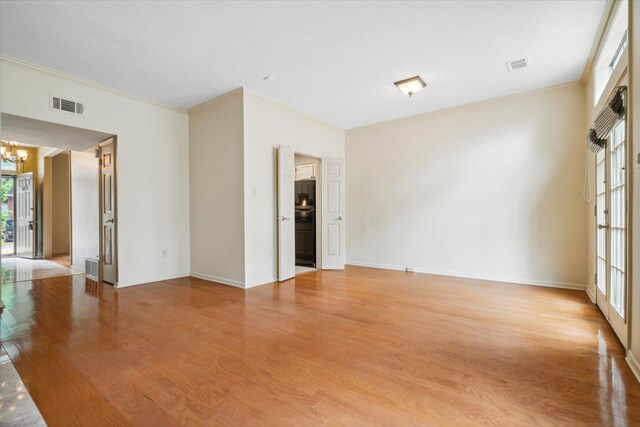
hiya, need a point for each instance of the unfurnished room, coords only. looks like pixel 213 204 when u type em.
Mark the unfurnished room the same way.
pixel 274 213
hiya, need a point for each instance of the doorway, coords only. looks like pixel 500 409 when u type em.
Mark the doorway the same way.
pixel 64 202
pixel 306 221
pixel 611 231
pixel 311 188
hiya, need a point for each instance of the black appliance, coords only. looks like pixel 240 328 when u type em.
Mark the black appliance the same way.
pixel 305 222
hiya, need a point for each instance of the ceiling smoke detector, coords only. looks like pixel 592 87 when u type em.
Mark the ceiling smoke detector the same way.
pixel 517 65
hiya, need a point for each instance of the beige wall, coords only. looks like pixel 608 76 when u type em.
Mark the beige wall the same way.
pixel 216 190
pixel 85 209
pixel 490 190
pixel 60 217
pixel 153 168
pixel 269 124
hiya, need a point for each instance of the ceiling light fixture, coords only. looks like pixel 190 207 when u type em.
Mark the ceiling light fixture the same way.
pixel 10 152
pixel 411 85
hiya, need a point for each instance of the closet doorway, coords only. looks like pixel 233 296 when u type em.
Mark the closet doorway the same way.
pixel 307 204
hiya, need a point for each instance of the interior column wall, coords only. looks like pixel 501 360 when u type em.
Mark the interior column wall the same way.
pixel 85 209
pixel 216 192
pixel 60 238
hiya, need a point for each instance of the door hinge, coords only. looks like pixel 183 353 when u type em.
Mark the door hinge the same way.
pixel 595 278
pixel 595 210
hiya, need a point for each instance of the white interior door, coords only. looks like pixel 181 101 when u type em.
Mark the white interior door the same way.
pixel 108 247
pixel 286 214
pixel 24 216
pixel 611 237
pixel 333 212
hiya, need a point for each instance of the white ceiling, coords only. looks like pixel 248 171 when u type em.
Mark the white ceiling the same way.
pixel 334 60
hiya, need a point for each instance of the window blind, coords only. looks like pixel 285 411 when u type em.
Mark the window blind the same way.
pixel 611 114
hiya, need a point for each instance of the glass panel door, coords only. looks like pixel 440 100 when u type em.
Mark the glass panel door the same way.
pixel 7 209
pixel 611 241
pixel 602 234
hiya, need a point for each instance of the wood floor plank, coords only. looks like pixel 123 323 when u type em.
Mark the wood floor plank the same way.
pixel 353 347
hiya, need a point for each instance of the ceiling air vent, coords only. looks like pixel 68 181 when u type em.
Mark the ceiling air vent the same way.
pixel 518 65
pixel 61 104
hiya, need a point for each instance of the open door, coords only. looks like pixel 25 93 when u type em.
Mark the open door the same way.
pixel 108 247
pixel 286 214
pixel 24 216
pixel 333 212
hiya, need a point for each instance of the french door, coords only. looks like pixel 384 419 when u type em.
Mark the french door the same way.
pixel 24 216
pixel 611 234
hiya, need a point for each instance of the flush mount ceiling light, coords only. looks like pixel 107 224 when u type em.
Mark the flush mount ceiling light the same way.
pixel 411 85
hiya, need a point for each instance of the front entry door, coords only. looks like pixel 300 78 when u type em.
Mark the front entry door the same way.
pixel 108 247
pixel 611 241
pixel 24 216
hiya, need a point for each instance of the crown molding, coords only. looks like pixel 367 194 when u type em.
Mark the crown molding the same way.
pixel 477 103
pixel 4 58
pixel 215 101
pixel 290 108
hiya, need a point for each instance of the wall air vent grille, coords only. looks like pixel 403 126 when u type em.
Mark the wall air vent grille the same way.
pixel 69 106
pixel 518 65
pixel 91 268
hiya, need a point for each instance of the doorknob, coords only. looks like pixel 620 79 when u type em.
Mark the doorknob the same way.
pixel 339 218
pixel 284 218
pixel 110 220
pixel 601 226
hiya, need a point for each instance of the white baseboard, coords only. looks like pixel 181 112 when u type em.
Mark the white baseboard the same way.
pixel 562 285
pixel 633 364
pixel 221 280
pixel 590 294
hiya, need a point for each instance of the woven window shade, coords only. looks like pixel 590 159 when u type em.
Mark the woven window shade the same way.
pixel 611 114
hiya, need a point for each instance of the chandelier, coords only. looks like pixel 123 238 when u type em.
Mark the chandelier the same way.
pixel 10 152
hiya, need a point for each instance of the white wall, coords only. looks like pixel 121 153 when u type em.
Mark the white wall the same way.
pixel 490 190
pixel 217 198
pixel 60 233
pixel 85 208
pixel 153 165
pixel 268 124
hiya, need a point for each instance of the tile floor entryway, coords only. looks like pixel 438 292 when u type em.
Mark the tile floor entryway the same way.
pixel 16 405
pixel 15 269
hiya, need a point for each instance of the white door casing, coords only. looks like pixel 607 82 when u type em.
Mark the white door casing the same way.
pixel 333 213
pixel 108 255
pixel 24 216
pixel 286 214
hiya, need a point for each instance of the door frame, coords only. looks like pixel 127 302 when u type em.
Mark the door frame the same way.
pixel 318 198
pixel 111 140
pixel 617 323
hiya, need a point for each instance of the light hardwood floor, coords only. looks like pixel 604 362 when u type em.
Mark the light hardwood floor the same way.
pixel 359 347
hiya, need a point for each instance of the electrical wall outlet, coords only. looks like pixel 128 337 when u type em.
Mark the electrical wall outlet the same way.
pixel 410 269
pixel 164 253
